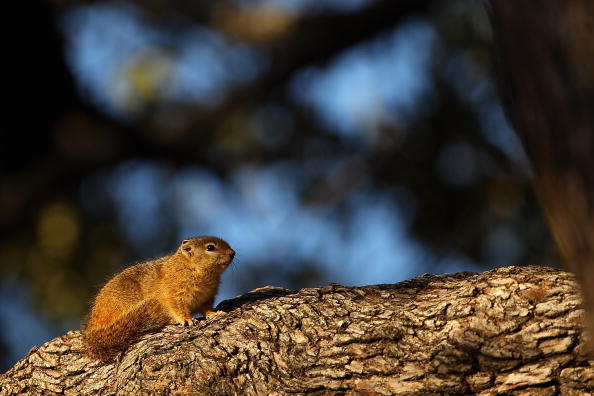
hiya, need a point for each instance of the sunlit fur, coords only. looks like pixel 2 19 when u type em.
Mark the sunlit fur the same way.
pixel 150 295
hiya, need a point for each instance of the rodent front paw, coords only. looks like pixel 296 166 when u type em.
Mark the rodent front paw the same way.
pixel 212 314
pixel 187 322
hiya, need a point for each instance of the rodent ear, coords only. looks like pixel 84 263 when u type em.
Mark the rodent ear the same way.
pixel 188 250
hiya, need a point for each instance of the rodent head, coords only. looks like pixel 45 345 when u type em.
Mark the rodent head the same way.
pixel 207 252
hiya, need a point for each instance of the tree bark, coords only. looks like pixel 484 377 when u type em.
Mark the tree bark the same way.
pixel 514 330
pixel 546 53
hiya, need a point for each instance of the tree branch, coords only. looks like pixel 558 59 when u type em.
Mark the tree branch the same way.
pixel 510 330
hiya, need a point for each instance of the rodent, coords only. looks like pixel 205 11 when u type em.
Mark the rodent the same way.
pixel 155 293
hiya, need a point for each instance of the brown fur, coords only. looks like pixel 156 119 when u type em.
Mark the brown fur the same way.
pixel 150 295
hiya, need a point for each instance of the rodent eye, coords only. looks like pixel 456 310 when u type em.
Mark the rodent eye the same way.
pixel 210 247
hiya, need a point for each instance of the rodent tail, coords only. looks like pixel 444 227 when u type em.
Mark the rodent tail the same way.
pixel 106 342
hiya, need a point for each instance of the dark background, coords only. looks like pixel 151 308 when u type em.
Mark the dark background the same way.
pixel 353 141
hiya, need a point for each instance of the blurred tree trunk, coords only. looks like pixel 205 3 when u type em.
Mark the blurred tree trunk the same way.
pixel 513 330
pixel 546 52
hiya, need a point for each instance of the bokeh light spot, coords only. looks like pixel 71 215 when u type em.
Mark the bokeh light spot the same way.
pixel 58 230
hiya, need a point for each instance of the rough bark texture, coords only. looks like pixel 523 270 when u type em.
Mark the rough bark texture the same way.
pixel 513 330
pixel 546 51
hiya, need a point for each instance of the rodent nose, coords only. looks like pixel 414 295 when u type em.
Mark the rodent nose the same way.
pixel 232 254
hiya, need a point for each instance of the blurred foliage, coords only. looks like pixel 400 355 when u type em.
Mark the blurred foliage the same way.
pixel 448 161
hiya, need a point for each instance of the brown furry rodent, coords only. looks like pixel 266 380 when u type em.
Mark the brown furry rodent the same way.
pixel 150 295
